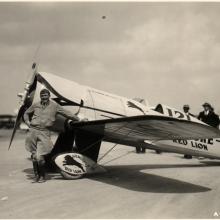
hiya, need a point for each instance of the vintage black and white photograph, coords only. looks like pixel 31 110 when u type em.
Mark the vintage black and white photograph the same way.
pixel 109 110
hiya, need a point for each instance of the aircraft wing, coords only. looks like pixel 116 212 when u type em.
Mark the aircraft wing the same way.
pixel 137 129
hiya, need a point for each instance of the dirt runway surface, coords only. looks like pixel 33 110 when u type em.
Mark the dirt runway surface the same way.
pixel 135 186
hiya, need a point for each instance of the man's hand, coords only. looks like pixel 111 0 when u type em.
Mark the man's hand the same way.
pixel 71 122
pixel 28 123
pixel 83 119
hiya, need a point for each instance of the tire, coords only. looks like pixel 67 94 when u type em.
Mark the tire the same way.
pixel 138 149
pixel 186 156
pixel 143 150
pixel 70 176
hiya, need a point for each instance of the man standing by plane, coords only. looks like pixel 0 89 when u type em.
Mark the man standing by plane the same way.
pixel 208 116
pixel 186 109
pixel 38 141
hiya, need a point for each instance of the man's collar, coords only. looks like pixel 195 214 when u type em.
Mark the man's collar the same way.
pixel 45 104
pixel 207 112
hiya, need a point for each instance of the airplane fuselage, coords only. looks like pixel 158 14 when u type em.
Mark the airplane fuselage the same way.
pixel 97 105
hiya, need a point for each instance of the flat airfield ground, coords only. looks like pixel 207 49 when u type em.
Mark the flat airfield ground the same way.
pixel 135 186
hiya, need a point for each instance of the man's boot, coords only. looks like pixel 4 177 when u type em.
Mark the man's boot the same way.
pixel 36 171
pixel 42 173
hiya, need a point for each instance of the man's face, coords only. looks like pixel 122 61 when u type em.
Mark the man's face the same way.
pixel 206 107
pixel 186 110
pixel 44 97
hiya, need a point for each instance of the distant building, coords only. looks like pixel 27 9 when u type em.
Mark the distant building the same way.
pixel 7 121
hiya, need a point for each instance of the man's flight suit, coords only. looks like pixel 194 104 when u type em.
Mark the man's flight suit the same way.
pixel 38 141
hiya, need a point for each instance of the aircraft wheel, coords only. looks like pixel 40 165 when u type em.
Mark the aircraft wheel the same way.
pixel 186 156
pixel 69 176
pixel 158 151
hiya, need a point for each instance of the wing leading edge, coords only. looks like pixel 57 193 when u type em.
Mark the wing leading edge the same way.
pixel 137 129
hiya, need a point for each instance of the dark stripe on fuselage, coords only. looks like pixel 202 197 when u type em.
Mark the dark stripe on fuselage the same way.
pixel 71 103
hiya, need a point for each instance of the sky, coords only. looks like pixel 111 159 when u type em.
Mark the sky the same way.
pixel 164 52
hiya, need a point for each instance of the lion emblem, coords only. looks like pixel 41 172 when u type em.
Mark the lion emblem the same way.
pixel 70 161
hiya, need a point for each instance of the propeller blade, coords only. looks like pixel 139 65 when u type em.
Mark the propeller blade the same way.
pixel 17 122
pixel 24 96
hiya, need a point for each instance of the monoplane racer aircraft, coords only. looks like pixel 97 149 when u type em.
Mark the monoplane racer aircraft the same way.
pixel 111 118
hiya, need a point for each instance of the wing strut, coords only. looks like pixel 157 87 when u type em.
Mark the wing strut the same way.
pixel 107 152
pixel 123 155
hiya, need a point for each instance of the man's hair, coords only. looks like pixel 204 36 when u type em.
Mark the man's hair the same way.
pixel 186 106
pixel 43 91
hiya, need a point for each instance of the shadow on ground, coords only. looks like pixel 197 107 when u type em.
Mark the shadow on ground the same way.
pixel 50 176
pixel 210 163
pixel 130 177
